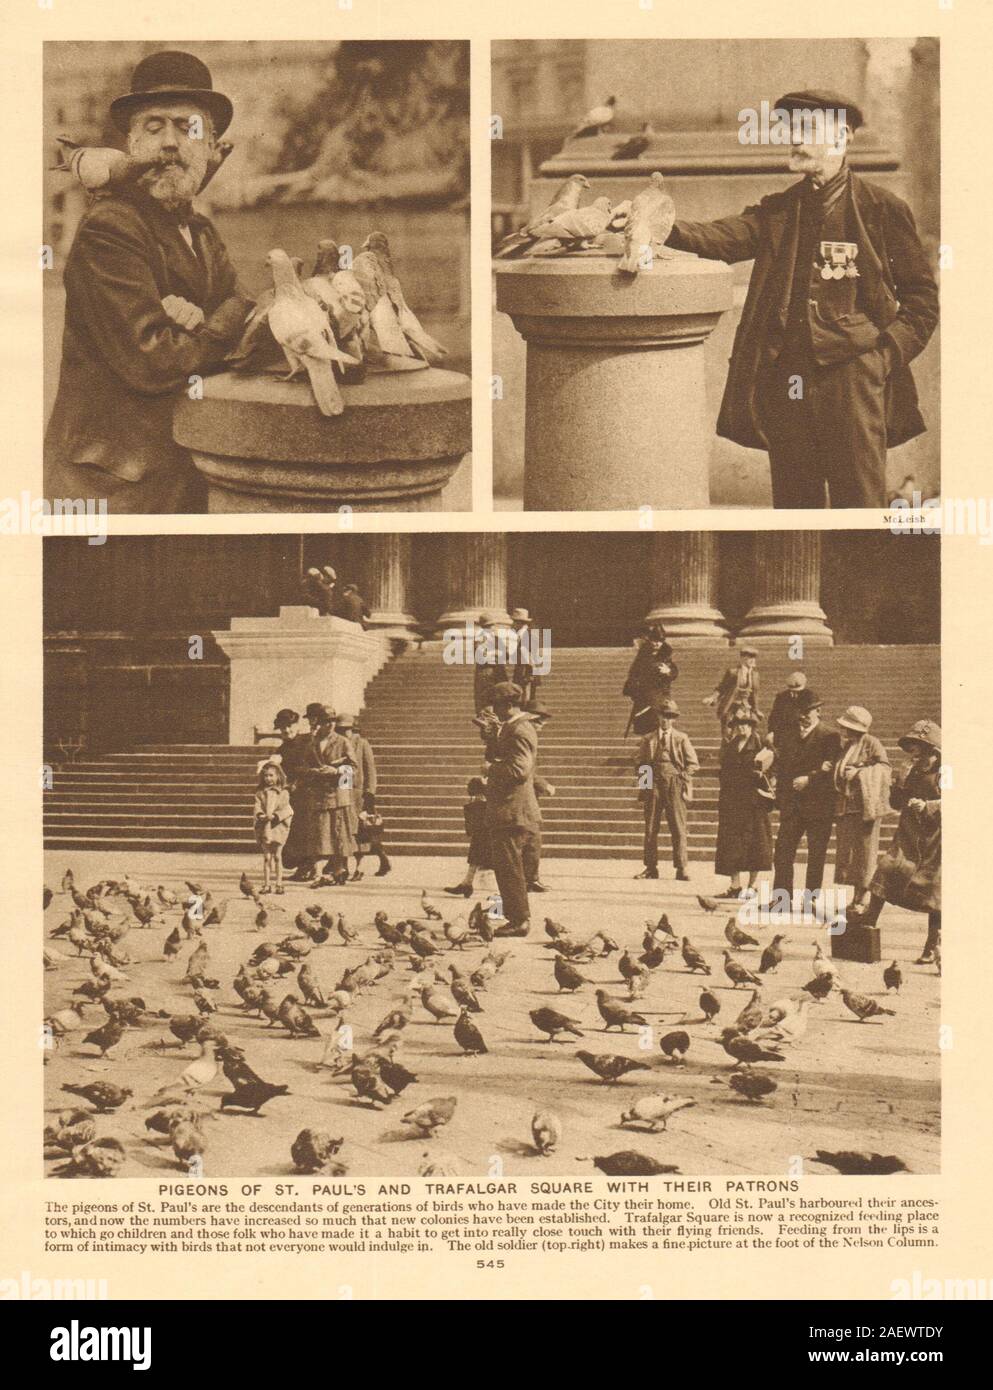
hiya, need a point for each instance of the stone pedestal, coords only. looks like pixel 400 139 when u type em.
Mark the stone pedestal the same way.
pixel 787 591
pixel 292 660
pixel 615 411
pixel 262 445
pixel 475 578
pixel 387 583
pixel 684 569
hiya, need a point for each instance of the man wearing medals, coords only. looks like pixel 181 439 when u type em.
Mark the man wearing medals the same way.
pixel 841 299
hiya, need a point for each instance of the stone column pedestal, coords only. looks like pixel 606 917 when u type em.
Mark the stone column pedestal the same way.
pixel 387 584
pixel 685 579
pixel 615 410
pixel 291 660
pixel 476 578
pixel 786 600
pixel 262 445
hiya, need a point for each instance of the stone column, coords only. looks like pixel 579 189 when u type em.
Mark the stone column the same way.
pixel 684 566
pixel 476 578
pixel 262 445
pixel 387 583
pixel 786 598
pixel 615 408
pixel 293 659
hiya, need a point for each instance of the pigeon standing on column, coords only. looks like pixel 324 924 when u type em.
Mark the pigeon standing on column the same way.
pixel 648 226
pixel 566 200
pixel 303 331
pixel 421 341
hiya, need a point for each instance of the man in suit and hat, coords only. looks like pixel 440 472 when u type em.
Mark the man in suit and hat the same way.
pixel 513 817
pixel 666 763
pixel 488 671
pixel 784 717
pixel 841 299
pixel 806 794
pixel 151 302
pixel 523 673
pixel 739 686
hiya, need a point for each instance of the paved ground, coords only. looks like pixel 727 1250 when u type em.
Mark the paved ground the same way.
pixel 846 1084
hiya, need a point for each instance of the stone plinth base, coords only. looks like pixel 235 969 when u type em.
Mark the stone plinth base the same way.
pixel 292 660
pixel 773 624
pixel 262 445
pixel 615 412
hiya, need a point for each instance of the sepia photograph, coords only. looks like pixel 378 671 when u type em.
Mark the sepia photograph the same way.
pixel 257 296
pixel 715 273
pixel 470 853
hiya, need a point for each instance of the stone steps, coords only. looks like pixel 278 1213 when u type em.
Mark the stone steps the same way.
pixel 195 797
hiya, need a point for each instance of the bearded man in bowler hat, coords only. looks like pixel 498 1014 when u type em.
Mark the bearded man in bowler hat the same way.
pixel 841 299
pixel 151 302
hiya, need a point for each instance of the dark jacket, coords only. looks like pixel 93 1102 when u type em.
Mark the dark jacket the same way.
pixel 898 290
pixel 806 757
pixel 646 678
pixel 510 790
pixel 123 359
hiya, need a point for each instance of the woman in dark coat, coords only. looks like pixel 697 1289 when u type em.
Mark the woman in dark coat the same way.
pixel 744 831
pixel 909 873
pixel 651 674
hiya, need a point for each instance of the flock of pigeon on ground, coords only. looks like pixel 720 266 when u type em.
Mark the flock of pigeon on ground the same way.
pixel 445 968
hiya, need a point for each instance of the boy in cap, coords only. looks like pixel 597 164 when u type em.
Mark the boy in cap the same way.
pixel 739 685
pixel 784 717
pixel 151 301
pixel 665 766
pixel 840 300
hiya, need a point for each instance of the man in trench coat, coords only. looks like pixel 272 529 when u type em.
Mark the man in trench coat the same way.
pixel 841 299
pixel 151 302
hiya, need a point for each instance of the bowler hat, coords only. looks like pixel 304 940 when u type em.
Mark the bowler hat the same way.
pixel 856 718
pixel 539 710
pixel 819 99
pixel 796 680
pixel 315 710
pixel 925 731
pixel 742 714
pixel 669 709
pixel 284 718
pixel 807 700
pixel 172 76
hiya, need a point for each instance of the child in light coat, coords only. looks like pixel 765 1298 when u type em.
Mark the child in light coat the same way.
pixel 273 814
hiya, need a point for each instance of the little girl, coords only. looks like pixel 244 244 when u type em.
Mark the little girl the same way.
pixel 273 814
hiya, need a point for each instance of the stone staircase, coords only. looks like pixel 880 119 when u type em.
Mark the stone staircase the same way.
pixel 191 797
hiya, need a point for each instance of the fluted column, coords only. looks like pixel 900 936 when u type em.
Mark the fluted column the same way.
pixel 387 584
pixel 786 597
pixel 684 570
pixel 476 578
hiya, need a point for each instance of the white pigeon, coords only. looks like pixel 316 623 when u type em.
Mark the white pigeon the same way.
pixel 302 329
pixel 648 226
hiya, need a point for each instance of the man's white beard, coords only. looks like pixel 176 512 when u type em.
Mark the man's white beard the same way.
pixel 172 185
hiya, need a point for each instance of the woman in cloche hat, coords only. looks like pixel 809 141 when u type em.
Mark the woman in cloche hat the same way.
pixel 862 781
pixel 909 873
